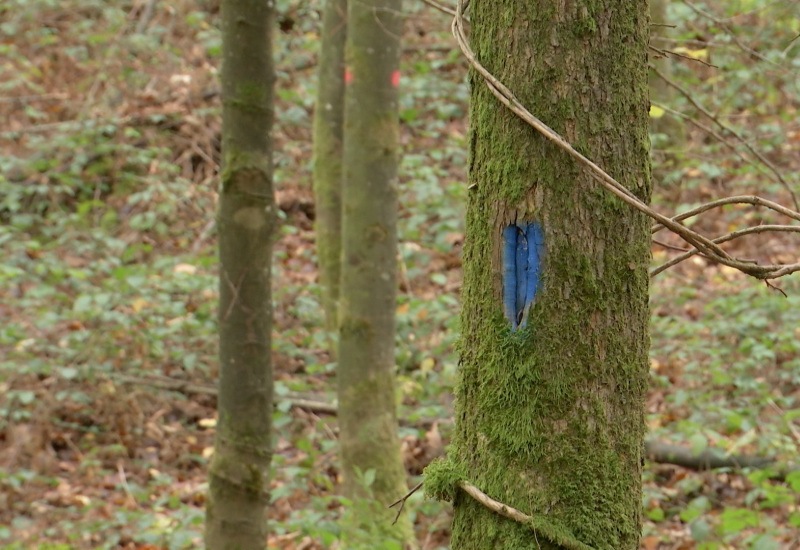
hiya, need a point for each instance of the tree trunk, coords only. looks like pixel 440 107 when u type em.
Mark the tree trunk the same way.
pixel 660 91
pixel 328 121
pixel 367 418
pixel 239 470
pixel 550 401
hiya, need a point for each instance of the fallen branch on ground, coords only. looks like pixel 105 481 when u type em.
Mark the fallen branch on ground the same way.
pixel 182 386
pixel 655 451
pixel 712 459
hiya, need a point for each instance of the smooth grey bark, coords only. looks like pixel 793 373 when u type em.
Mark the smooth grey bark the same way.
pixel 367 418
pixel 328 123
pixel 239 470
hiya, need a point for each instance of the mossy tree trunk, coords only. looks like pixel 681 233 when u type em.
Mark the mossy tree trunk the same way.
pixel 550 415
pixel 239 470
pixel 367 419
pixel 328 122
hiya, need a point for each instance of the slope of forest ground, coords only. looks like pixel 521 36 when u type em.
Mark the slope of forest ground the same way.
pixel 108 169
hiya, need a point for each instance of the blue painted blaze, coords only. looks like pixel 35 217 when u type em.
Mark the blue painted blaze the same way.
pixel 523 252
pixel 510 273
pixel 521 273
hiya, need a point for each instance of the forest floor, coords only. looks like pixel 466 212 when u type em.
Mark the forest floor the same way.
pixel 108 171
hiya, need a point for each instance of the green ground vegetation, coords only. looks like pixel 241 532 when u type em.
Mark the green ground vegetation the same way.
pixel 109 160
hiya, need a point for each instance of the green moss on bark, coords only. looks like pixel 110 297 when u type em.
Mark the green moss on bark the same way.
pixel 551 417
pixel 442 478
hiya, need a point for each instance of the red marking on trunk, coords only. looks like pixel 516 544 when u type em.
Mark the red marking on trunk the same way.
pixel 348 76
pixel 395 78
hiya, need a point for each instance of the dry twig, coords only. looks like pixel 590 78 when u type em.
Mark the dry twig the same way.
pixel 166 383
pixel 667 53
pixel 724 127
pixel 402 501
pixel 721 24
pixel 441 7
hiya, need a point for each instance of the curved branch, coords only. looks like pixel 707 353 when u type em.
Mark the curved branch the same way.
pixel 735 235
pixel 755 152
pixel 509 100
pixel 704 246
pixel 740 199
pixel 716 135
pixel 540 525
pixel 441 7
pixel 744 47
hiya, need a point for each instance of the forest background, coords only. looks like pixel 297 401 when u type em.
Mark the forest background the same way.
pixel 108 174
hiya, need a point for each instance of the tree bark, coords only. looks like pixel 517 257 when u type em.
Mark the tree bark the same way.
pixel 239 470
pixel 367 417
pixel 328 122
pixel 550 401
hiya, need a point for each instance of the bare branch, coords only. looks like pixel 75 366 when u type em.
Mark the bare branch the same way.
pixel 755 152
pixel 703 245
pixel 58 96
pixel 670 246
pixel 183 386
pixel 790 44
pixel 495 506
pixel 441 7
pixel 667 53
pixel 542 525
pixel 740 199
pixel 710 459
pixel 146 17
pixel 402 501
pixel 716 135
pixel 721 24
pixel 735 235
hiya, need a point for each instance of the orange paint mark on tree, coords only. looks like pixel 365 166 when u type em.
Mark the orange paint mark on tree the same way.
pixel 395 78
pixel 348 76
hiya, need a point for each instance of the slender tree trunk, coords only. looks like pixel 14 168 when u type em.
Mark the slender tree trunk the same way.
pixel 660 91
pixel 328 122
pixel 367 418
pixel 550 402
pixel 239 471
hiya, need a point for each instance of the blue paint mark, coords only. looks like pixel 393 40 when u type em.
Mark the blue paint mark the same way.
pixel 510 273
pixel 521 273
pixel 523 253
pixel 535 237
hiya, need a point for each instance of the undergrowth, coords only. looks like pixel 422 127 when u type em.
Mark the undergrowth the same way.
pixel 108 167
